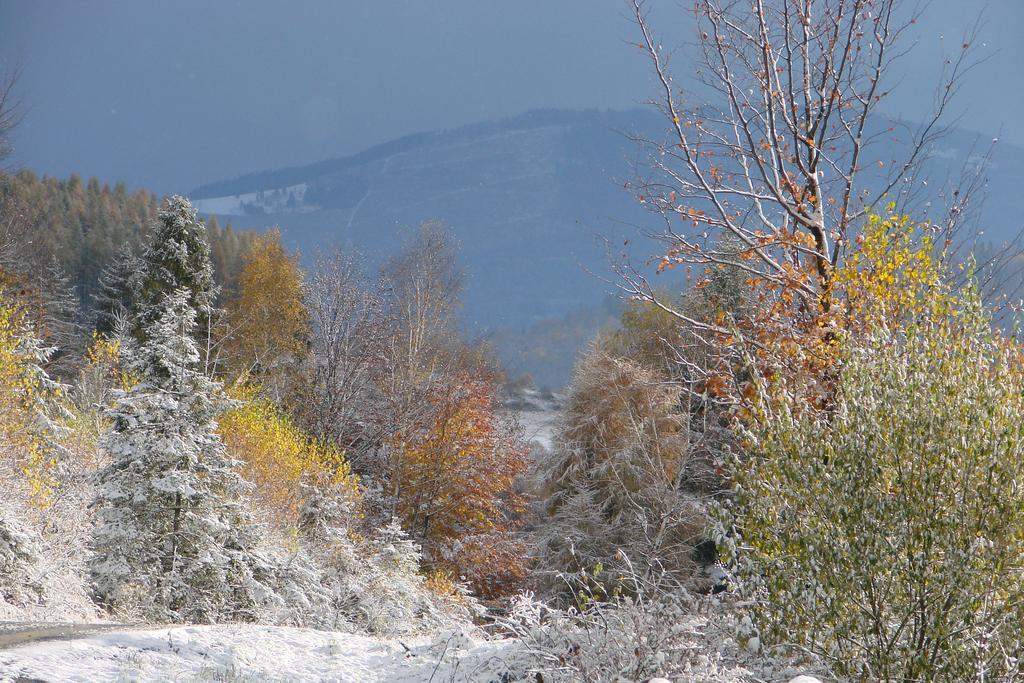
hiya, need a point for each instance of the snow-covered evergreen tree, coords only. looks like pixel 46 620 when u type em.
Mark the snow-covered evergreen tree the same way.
pixel 57 318
pixel 17 554
pixel 178 257
pixel 171 538
pixel 117 291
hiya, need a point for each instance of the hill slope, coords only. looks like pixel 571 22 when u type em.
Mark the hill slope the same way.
pixel 527 198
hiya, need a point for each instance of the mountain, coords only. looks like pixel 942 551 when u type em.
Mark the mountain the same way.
pixel 530 199
pixel 526 198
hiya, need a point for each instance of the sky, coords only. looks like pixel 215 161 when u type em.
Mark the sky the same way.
pixel 170 95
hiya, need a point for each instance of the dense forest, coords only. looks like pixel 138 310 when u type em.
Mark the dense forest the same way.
pixel 81 226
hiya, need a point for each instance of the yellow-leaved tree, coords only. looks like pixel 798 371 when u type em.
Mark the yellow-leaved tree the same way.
pixel 268 324
pixel 27 400
pixel 279 458
pixel 882 531
pixel 890 275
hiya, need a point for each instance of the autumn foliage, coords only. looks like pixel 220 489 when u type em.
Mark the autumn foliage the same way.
pixel 26 395
pixel 279 458
pixel 457 493
pixel 792 339
pixel 268 321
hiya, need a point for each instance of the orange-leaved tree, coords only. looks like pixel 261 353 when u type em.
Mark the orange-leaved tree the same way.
pixel 890 276
pixel 457 487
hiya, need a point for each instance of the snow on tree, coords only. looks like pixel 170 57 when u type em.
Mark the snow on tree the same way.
pixel 883 531
pixel 53 308
pixel 28 403
pixel 117 290
pixel 171 538
pixel 178 257
pixel 372 580
pixel 17 554
pixel 611 491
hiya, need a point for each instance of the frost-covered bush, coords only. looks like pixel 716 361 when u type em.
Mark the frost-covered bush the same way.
pixel 42 551
pixel 653 635
pixel 17 555
pixel 44 520
pixel 373 581
pixel 885 532
pixel 613 482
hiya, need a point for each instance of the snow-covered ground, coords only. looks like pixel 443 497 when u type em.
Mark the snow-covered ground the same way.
pixel 257 653
pixel 538 413
pixel 279 200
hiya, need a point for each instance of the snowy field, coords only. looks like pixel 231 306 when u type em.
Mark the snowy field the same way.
pixel 270 201
pixel 256 653
pixel 538 414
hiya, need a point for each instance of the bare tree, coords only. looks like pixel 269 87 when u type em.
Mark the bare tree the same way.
pixel 778 146
pixel 424 288
pixel 423 349
pixel 345 316
pixel 377 348
pixel 10 110
pixel 382 355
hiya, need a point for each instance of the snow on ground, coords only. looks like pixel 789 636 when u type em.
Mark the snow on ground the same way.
pixel 257 653
pixel 539 414
pixel 279 200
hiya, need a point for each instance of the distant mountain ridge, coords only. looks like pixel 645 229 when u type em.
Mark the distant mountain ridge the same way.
pixel 275 178
pixel 528 198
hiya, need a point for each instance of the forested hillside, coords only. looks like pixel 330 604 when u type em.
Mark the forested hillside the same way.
pixel 81 226
pixel 545 203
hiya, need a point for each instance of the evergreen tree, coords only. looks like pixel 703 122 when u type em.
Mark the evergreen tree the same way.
pixel 46 296
pixel 57 318
pixel 171 537
pixel 177 258
pixel 84 225
pixel 117 291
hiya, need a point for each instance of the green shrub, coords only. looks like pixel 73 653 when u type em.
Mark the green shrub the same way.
pixel 886 533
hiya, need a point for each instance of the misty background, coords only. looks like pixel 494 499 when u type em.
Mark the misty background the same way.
pixel 346 123
pixel 169 96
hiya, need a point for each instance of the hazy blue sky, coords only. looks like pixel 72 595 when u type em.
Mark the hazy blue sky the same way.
pixel 173 94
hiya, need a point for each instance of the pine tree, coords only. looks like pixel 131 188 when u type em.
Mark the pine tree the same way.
pixel 177 258
pixel 50 304
pixel 117 291
pixel 60 324
pixel 171 537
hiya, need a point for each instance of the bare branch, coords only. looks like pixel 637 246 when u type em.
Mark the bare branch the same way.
pixel 777 143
